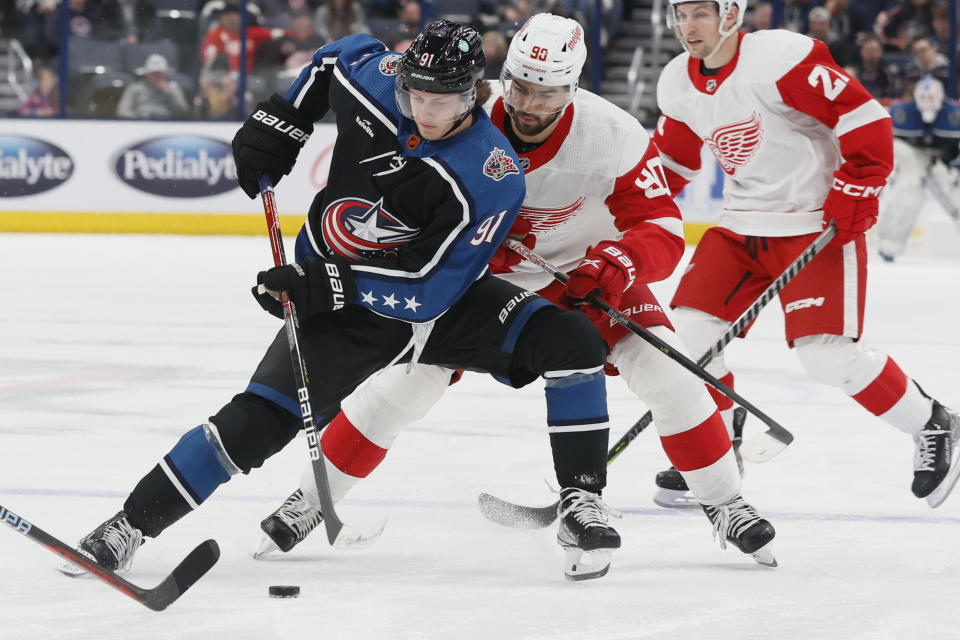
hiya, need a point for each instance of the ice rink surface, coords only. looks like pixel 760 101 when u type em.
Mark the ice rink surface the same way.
pixel 112 346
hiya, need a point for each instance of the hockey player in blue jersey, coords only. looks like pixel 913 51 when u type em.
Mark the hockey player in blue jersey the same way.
pixel 422 191
pixel 926 162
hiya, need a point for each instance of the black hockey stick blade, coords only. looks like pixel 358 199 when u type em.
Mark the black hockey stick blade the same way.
pixel 517 516
pixel 191 569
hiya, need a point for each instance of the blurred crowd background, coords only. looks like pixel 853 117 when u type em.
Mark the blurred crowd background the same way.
pixel 181 59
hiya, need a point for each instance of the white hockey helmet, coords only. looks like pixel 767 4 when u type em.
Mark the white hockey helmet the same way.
pixel 928 94
pixel 548 50
pixel 724 7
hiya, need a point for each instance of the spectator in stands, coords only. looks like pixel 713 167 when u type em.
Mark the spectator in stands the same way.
pixel 926 61
pixel 762 17
pixel 408 25
pixel 906 21
pixel 225 38
pixel 281 17
pixel 819 28
pixel 336 19
pixel 41 27
pixel 795 15
pixel 871 70
pixel 44 100
pixel 495 51
pixel 514 15
pixel 217 98
pixel 295 47
pixel 130 20
pixel 941 29
pixel 154 97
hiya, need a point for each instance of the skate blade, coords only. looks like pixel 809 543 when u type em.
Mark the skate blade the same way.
pixel 71 570
pixel 353 538
pixel 675 499
pixel 267 546
pixel 764 556
pixel 585 565
pixel 940 494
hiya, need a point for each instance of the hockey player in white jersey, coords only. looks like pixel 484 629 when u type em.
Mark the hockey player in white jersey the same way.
pixel 598 206
pixel 926 156
pixel 802 144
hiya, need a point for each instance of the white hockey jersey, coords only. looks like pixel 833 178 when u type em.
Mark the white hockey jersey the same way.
pixel 781 118
pixel 598 177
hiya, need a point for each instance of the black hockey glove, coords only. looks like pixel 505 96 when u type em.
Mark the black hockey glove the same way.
pixel 268 142
pixel 315 286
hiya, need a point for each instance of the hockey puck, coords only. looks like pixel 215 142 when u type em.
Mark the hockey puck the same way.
pixel 284 591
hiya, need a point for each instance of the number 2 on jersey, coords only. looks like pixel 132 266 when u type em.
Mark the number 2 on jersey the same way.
pixel 824 76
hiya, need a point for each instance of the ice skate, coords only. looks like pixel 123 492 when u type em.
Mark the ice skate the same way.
pixel 111 545
pixel 587 539
pixel 937 459
pixel 738 523
pixel 672 490
pixel 286 527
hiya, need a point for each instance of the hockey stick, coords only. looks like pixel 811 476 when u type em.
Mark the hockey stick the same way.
pixel 936 189
pixel 339 534
pixel 511 514
pixel 778 437
pixel 190 569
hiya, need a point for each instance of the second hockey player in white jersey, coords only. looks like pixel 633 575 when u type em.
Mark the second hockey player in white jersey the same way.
pixel 802 144
pixel 599 208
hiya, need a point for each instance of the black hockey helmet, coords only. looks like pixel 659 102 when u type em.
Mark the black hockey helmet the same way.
pixel 445 57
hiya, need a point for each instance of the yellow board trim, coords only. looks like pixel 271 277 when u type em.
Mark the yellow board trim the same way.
pixel 178 223
pixel 173 223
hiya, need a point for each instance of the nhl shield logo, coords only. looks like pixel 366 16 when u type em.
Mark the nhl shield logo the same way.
pixel 389 64
pixel 499 165
pixel 711 84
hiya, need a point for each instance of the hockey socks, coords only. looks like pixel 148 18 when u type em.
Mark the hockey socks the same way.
pixel 180 482
pixel 579 428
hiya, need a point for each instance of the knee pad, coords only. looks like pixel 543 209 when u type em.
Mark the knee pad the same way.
pixel 839 361
pixel 676 396
pixel 560 341
pixel 392 399
pixel 699 331
pixel 251 429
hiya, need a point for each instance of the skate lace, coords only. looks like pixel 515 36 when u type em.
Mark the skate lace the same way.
pixel 731 519
pixel 926 455
pixel 587 508
pixel 123 541
pixel 299 514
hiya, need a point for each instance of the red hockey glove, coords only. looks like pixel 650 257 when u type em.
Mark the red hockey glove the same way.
pixel 852 204
pixel 609 267
pixel 505 259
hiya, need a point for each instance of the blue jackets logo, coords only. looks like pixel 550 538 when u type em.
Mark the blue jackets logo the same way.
pixel 30 165
pixel 179 166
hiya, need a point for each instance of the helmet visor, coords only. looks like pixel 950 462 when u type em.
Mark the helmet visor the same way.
pixel 434 108
pixel 535 99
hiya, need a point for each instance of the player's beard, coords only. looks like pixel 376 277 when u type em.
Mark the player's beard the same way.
pixel 533 128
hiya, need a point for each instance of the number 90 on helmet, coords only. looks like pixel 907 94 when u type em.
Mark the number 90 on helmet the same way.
pixel 550 51
pixel 445 58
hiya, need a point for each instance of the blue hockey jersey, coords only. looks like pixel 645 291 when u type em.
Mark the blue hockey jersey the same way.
pixel 419 220
pixel 941 138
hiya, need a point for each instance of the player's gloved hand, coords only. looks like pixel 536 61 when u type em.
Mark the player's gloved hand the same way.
pixel 610 268
pixel 505 259
pixel 852 204
pixel 268 142
pixel 314 285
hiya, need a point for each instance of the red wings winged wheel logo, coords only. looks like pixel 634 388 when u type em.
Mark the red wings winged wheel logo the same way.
pixel 735 144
